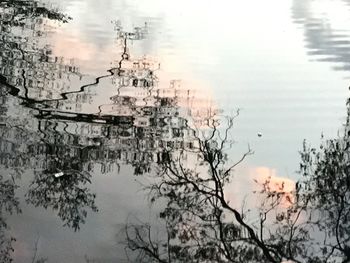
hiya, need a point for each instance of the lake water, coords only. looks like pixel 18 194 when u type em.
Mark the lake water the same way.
pixel 97 97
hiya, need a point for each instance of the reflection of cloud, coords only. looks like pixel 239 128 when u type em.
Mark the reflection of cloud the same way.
pixel 325 38
pixel 261 173
pixel 242 187
pixel 90 57
pixel 73 48
pixel 275 182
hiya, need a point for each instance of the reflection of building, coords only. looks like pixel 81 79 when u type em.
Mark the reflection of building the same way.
pixel 27 62
pixel 138 123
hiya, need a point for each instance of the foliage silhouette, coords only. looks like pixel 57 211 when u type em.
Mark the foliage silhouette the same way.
pixel 9 204
pixel 326 186
pixel 66 194
pixel 307 224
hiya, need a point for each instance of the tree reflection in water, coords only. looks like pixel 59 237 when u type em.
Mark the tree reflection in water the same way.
pixel 13 14
pixel 308 224
pixel 9 204
pixel 67 193
pixel 45 129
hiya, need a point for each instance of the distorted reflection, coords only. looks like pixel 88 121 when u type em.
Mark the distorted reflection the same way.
pixel 308 222
pixel 52 124
pixel 65 193
pixel 61 128
pixel 326 37
pixel 9 203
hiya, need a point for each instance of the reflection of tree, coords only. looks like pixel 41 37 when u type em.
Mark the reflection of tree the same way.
pixel 307 224
pixel 8 204
pixel 62 184
pixel 196 209
pixel 67 194
pixel 29 9
pixel 62 143
pixel 50 155
pixel 26 67
pixel 27 63
pixel 327 187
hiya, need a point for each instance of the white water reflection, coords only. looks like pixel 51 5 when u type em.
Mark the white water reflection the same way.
pixel 325 29
pixel 253 55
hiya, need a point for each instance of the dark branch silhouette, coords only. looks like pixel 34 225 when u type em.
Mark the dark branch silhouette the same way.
pixel 307 224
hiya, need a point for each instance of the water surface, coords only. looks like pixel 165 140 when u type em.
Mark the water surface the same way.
pixel 98 93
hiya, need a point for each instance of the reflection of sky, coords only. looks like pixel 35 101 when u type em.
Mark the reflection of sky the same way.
pixel 248 55
pixel 97 238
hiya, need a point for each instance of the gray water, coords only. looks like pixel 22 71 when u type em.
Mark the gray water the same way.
pixel 284 64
